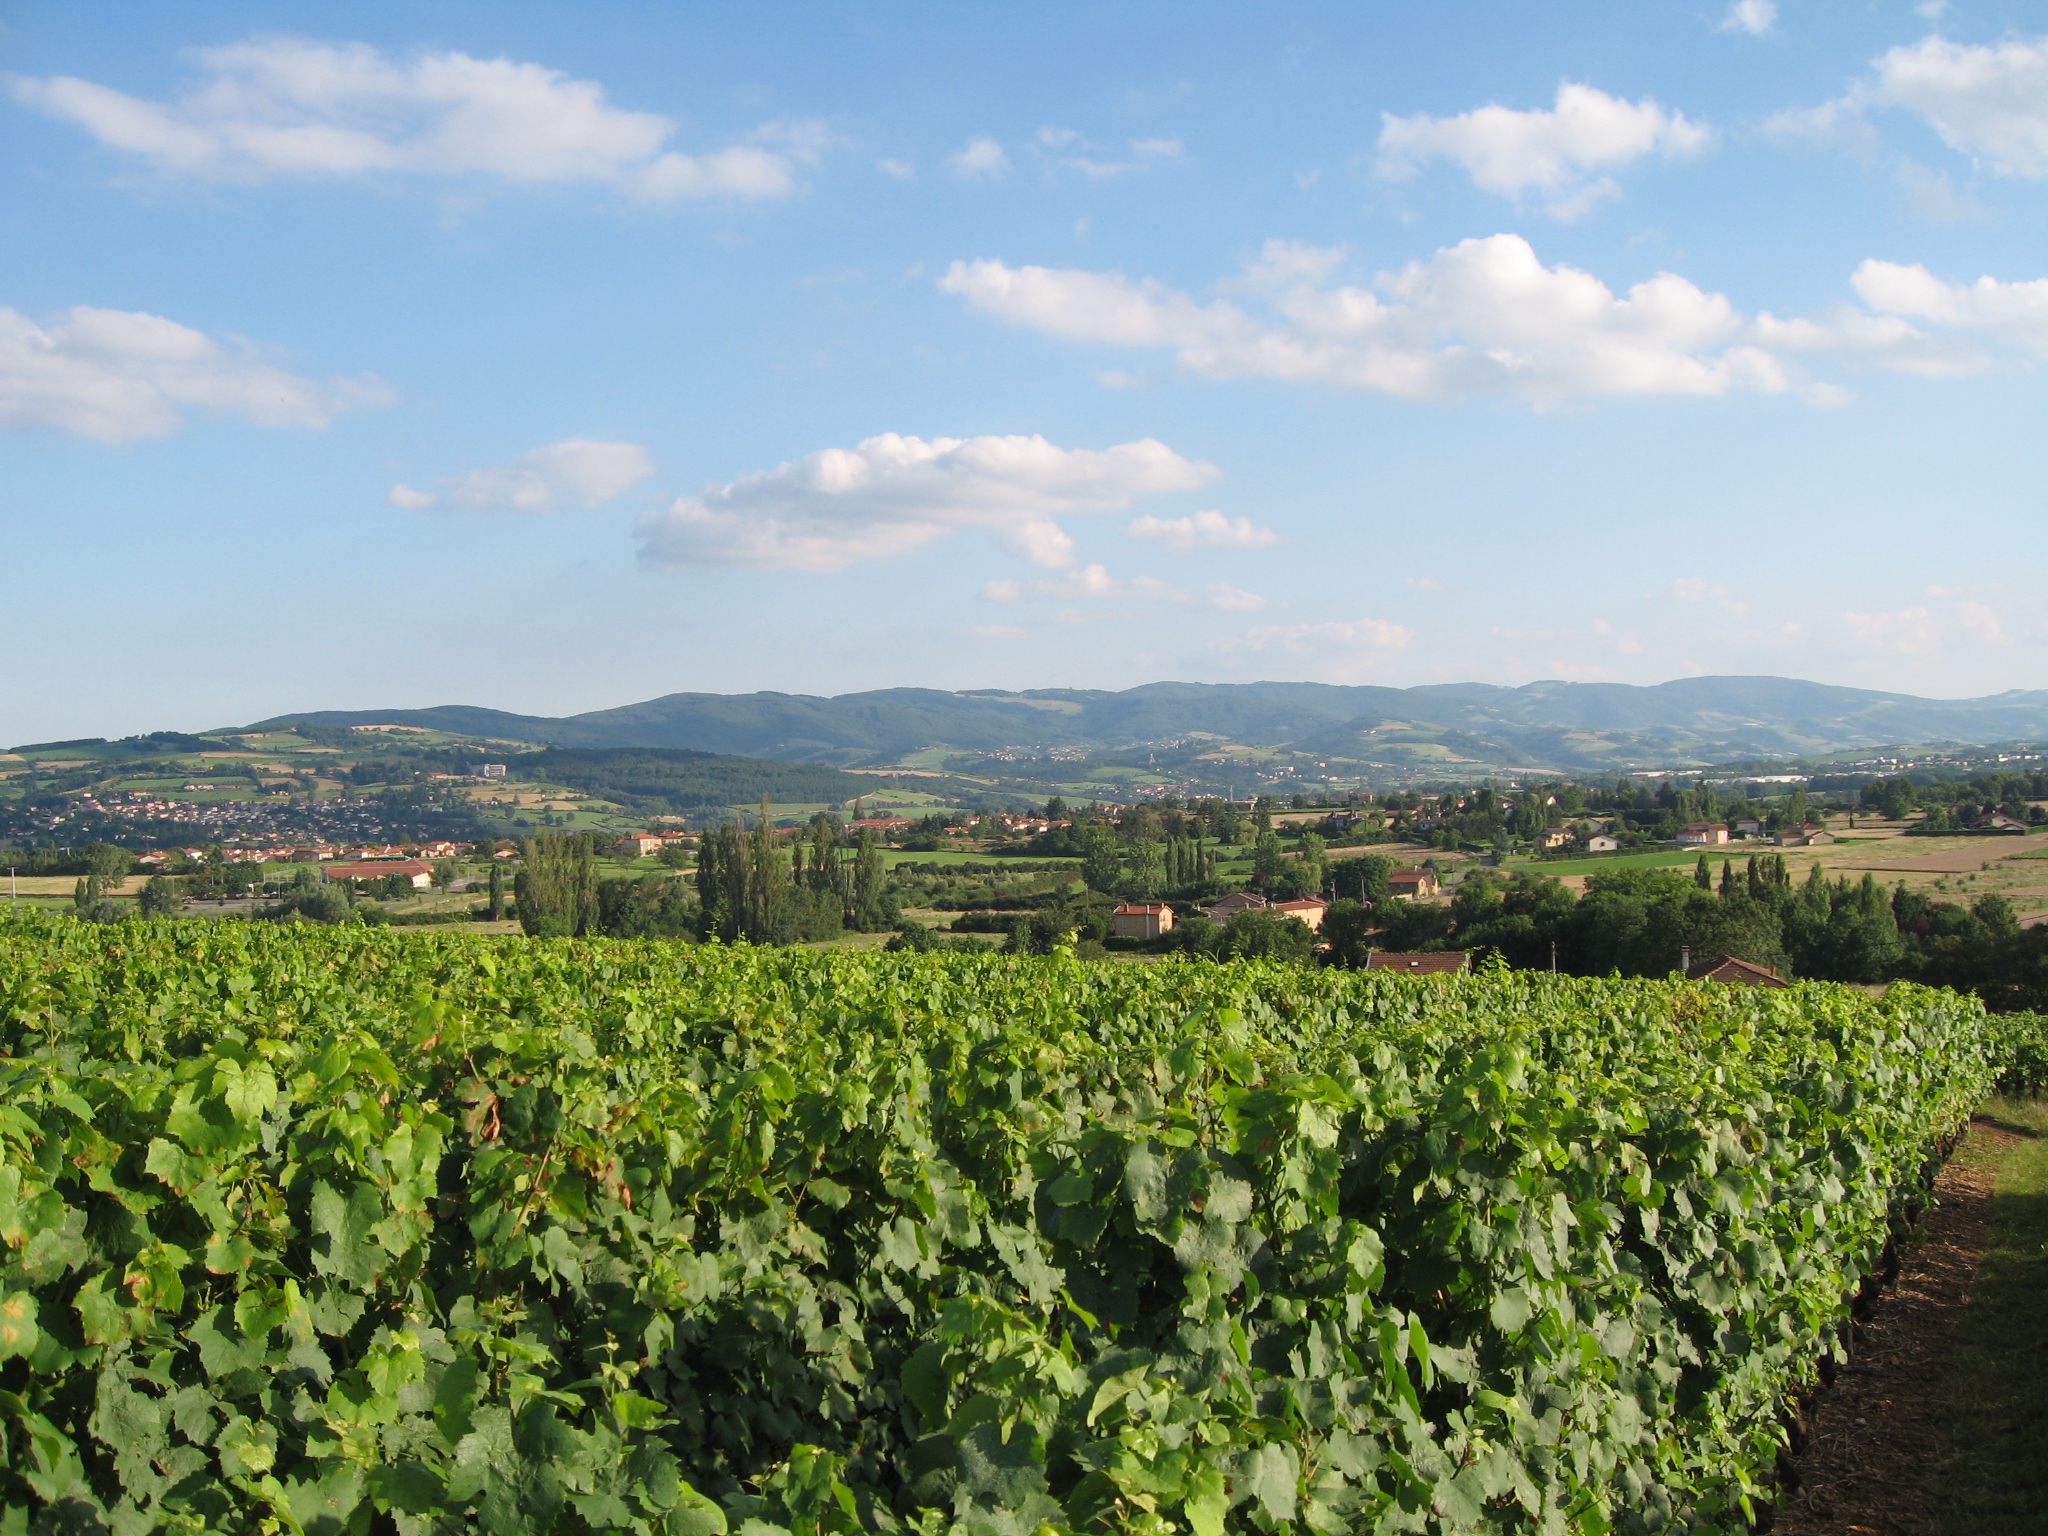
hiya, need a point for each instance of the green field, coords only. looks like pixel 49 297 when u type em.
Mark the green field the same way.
pixel 891 857
pixel 332 1229
pixel 1663 859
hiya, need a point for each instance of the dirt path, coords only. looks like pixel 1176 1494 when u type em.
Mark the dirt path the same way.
pixel 1875 1455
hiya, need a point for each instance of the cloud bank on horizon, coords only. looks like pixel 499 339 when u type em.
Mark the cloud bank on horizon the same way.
pixel 1419 378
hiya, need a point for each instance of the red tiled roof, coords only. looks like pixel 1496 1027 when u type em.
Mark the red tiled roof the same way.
pixel 1736 972
pixel 377 870
pixel 1140 909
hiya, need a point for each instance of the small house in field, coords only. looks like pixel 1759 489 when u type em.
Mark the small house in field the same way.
pixel 1735 973
pixel 1552 837
pixel 1141 920
pixel 1600 842
pixel 1419 884
pixel 1806 835
pixel 420 875
pixel 1998 821
pixel 1746 826
pixel 1440 962
pixel 1309 909
pixel 1224 908
pixel 639 845
pixel 1702 834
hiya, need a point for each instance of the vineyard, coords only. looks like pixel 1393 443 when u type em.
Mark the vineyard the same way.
pixel 342 1230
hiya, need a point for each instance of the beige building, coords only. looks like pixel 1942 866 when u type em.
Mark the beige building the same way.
pixel 1414 884
pixel 1141 920
pixel 1310 909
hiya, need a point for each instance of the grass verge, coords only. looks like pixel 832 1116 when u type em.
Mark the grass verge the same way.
pixel 1995 1480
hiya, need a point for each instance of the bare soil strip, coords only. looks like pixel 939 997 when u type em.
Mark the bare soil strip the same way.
pixel 1874 1462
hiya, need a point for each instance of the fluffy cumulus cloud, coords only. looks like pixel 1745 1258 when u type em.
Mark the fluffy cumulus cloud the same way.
pixel 287 107
pixel 1562 152
pixel 980 160
pixel 120 375
pixel 1756 17
pixel 1202 530
pixel 1697 589
pixel 1987 101
pixel 1922 631
pixel 1487 317
pixel 575 473
pixel 892 494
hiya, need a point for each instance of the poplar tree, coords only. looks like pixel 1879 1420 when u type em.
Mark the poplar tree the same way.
pixel 557 890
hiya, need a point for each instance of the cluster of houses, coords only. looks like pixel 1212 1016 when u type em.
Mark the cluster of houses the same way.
pixel 1150 919
pixel 314 853
pixel 1712 834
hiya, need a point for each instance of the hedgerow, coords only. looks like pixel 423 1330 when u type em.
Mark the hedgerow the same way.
pixel 340 1230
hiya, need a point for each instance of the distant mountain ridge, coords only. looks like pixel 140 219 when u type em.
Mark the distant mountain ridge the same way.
pixel 1553 725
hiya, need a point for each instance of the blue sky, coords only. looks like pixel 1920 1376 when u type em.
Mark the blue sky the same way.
pixel 551 357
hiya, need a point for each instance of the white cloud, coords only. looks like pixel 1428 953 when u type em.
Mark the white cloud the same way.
pixel 1921 631
pixel 1202 530
pixel 2015 313
pixel 1988 101
pixel 1089 581
pixel 1311 639
pixel 1234 599
pixel 1067 147
pixel 1697 589
pixel 893 494
pixel 1909 632
pixel 578 471
pixel 1983 623
pixel 119 375
pixel 1934 197
pixel 981 158
pixel 1427 584
pixel 1486 317
pixel 902 170
pixel 1756 17
pixel 1558 151
pixel 287 107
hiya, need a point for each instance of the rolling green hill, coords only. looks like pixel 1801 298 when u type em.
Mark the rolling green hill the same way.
pixel 1567 727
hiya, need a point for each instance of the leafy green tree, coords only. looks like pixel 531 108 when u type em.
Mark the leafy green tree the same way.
pixel 110 865
pixel 1364 878
pixel 1264 934
pixel 1101 866
pixel 1702 876
pixel 651 907
pixel 497 891
pixel 557 889
pixel 1347 929
pixel 160 897
pixel 873 910
pixel 1308 872
pixel 1147 870
pixel 1266 861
